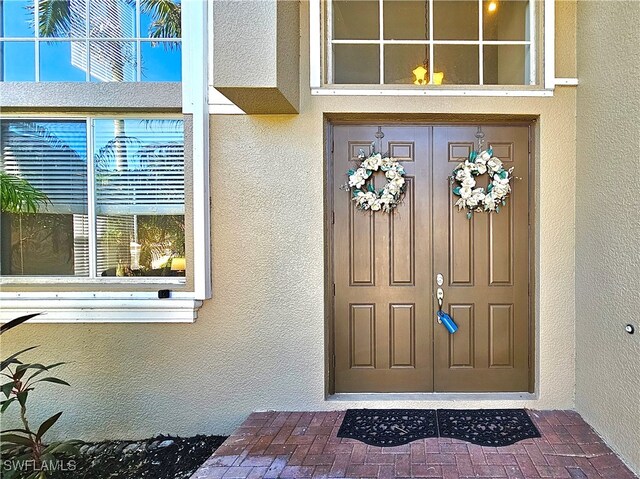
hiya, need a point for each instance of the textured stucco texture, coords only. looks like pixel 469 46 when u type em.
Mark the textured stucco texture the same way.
pixel 608 223
pixel 259 344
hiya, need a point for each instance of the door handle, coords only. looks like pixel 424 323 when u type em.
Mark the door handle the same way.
pixel 439 292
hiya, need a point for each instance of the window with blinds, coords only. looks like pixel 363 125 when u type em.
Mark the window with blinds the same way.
pixel 116 197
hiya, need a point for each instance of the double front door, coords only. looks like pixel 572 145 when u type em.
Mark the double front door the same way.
pixel 386 335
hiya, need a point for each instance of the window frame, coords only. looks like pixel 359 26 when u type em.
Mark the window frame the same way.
pixel 138 40
pixel 140 305
pixel 544 87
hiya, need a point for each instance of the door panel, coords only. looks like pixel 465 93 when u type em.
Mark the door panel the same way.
pixel 484 261
pixel 383 328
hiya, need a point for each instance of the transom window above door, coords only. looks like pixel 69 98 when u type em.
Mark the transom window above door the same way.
pixel 424 43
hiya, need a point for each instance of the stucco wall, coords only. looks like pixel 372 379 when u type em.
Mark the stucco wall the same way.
pixel 259 343
pixel 608 223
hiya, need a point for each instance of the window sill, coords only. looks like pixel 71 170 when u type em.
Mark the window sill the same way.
pixel 100 307
pixel 110 280
pixel 335 90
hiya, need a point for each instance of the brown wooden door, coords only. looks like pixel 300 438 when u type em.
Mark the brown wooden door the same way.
pixel 484 262
pixel 386 338
pixel 382 267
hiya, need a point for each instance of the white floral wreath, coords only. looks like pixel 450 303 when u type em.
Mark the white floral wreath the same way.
pixel 387 197
pixel 477 199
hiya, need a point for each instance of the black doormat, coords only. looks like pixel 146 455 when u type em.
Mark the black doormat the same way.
pixel 486 427
pixel 389 427
pixel 394 427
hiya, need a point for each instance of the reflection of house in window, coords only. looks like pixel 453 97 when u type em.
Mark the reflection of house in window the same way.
pixel 108 60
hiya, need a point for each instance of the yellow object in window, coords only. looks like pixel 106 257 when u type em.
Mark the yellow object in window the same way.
pixel 422 76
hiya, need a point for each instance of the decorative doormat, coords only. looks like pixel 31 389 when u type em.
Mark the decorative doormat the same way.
pixel 486 427
pixel 394 427
pixel 389 427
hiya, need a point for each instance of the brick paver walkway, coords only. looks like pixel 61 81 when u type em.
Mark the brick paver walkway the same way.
pixel 304 445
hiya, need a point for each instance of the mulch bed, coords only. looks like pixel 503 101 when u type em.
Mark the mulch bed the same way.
pixel 162 457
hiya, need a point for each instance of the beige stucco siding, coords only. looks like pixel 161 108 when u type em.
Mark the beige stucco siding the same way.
pixel 259 343
pixel 608 223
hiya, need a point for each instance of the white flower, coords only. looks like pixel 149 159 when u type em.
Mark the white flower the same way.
pixel 500 191
pixel 376 205
pixel 461 203
pixel 466 192
pixel 476 198
pixel 373 162
pixel 489 203
pixel 494 164
pixel 399 181
pixel 483 157
pixel 387 162
pixel 481 167
pixel 468 182
pixel 391 174
pixel 392 188
pixel 355 180
pixel 497 180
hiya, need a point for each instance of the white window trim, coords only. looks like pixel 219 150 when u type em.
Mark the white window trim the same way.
pixel 317 38
pixel 145 307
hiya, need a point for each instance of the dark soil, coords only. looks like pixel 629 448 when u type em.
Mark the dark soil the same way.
pixel 162 457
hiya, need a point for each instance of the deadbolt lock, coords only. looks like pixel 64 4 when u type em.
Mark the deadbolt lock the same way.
pixel 439 279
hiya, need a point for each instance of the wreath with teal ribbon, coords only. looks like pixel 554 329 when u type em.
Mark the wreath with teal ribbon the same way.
pixel 477 199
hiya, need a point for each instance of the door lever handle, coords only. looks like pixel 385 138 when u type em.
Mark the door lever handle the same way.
pixel 440 297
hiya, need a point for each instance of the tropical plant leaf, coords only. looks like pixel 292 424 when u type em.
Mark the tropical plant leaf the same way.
pixel 53 380
pixel 27 366
pixel 5 404
pixel 23 431
pixel 7 387
pixel 54 18
pixel 45 426
pixel 66 447
pixel 47 368
pixel 166 23
pixel 18 196
pixel 22 397
pixel 16 439
pixel 11 359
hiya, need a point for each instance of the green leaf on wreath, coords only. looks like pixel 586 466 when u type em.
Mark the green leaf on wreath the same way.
pixel 497 209
pixel 371 188
pixel 456 191
pixel 490 151
pixel 503 174
pixel 472 156
pixel 351 172
pixel 490 187
pixel 469 215
pixel 355 193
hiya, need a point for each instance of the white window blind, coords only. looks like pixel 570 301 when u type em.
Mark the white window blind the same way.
pixel 52 156
pixel 139 167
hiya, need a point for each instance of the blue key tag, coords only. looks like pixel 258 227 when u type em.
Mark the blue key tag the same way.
pixel 447 321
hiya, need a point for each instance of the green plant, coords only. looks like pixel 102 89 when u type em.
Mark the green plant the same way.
pixel 31 457
pixel 18 196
